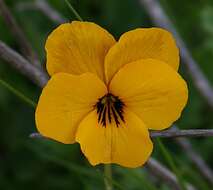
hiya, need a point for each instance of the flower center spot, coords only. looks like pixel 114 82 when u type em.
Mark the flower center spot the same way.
pixel 110 107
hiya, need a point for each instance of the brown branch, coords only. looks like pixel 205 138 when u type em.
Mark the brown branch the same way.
pixel 45 8
pixel 160 19
pixel 196 158
pixel 169 133
pixel 199 162
pixel 162 172
pixel 50 12
pixel 35 74
pixel 18 33
pixel 188 149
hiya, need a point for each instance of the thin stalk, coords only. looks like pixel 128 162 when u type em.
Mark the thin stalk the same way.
pixel 17 93
pixel 108 176
pixel 114 183
pixel 171 163
pixel 73 10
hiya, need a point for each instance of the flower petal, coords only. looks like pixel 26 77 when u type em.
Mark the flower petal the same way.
pixel 139 44
pixel 64 102
pixel 78 47
pixel 152 90
pixel 128 144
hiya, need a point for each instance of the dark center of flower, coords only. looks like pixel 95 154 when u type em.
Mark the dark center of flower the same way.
pixel 110 107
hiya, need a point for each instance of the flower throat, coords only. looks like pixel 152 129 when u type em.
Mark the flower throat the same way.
pixel 110 107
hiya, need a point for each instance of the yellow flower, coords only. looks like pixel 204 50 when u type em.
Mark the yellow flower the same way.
pixel 106 95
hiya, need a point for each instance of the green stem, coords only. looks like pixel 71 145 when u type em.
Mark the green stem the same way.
pixel 108 176
pixel 171 163
pixel 17 93
pixel 73 10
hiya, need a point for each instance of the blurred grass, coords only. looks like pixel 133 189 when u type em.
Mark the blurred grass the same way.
pixel 172 165
pixel 38 164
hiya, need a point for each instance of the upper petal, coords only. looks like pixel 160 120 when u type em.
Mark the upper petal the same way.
pixel 152 90
pixel 128 144
pixel 142 43
pixel 64 102
pixel 78 47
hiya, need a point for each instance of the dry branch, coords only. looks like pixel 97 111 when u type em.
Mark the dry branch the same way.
pixel 18 33
pixel 169 133
pixel 18 62
pixel 165 174
pixel 45 8
pixel 199 162
pixel 160 19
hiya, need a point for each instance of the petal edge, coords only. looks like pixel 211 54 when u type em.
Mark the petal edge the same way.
pixel 142 43
pixel 152 90
pixel 128 145
pixel 64 102
pixel 78 47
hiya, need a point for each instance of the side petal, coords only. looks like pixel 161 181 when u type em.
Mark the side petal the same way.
pixel 78 47
pixel 144 43
pixel 64 102
pixel 152 90
pixel 128 145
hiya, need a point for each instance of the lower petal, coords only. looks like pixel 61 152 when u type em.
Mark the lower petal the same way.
pixel 128 144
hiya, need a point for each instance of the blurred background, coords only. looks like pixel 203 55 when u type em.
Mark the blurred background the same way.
pixel 27 163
